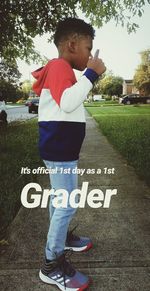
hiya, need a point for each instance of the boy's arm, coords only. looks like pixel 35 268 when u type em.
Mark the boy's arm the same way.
pixel 68 93
pixel 74 96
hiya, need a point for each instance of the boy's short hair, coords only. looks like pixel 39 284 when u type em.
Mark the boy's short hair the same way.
pixel 70 26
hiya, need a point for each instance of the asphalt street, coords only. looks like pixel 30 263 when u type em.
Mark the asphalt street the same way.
pixel 18 113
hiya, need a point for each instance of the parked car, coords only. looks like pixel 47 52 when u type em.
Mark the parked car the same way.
pixel 30 98
pixel 135 99
pixel 28 101
pixel 98 98
pixel 33 105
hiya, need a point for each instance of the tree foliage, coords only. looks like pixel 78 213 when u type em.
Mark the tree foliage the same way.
pixel 122 12
pixel 22 20
pixel 9 92
pixel 142 75
pixel 26 86
pixel 9 76
pixel 109 85
pixel 9 71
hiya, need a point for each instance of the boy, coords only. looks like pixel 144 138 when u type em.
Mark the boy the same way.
pixel 62 130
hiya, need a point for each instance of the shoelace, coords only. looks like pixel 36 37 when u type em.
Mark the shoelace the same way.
pixel 71 235
pixel 65 266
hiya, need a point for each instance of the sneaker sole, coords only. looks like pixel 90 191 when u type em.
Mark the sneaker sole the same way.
pixel 48 280
pixel 80 249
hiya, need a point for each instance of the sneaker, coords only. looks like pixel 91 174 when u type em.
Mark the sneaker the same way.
pixel 61 273
pixel 77 243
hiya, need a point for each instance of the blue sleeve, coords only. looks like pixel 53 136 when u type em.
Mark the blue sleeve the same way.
pixel 91 75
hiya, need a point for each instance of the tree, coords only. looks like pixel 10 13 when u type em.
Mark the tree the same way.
pixel 9 81
pixel 22 20
pixel 26 86
pixel 110 85
pixel 9 92
pixel 9 71
pixel 121 12
pixel 141 78
pixel 96 90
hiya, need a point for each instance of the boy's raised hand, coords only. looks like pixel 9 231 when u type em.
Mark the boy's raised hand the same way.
pixel 96 64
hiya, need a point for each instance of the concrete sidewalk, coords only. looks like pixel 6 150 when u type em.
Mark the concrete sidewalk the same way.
pixel 120 258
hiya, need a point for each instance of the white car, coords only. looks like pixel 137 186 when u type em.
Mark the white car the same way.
pixel 98 98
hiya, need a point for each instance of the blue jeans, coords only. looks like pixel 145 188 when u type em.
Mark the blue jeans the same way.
pixel 60 217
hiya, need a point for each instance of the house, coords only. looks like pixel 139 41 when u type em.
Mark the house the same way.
pixel 128 87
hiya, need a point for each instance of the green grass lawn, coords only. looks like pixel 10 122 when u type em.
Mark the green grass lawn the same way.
pixel 128 129
pixel 120 110
pixel 101 103
pixel 18 148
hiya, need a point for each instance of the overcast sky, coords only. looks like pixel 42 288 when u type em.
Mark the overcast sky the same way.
pixel 118 49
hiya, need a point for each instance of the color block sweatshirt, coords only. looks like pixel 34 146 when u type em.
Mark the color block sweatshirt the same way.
pixel 61 115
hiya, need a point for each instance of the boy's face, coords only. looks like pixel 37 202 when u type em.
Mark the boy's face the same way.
pixel 82 47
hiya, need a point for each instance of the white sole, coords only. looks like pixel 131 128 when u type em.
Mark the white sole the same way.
pixel 48 280
pixel 80 249
pixel 75 249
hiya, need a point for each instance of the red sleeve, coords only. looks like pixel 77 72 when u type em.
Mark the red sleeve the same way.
pixel 60 76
